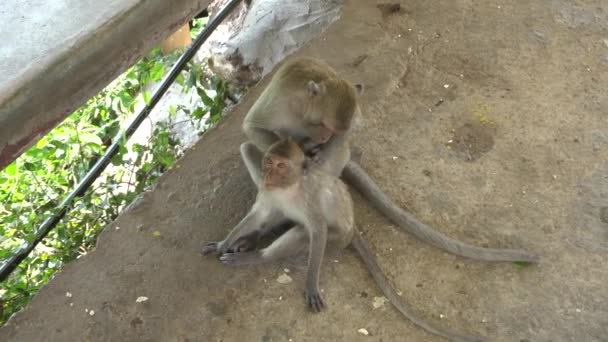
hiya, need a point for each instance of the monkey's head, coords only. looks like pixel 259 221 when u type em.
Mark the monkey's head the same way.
pixel 333 104
pixel 283 164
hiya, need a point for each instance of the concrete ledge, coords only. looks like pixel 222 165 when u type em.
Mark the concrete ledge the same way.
pixel 57 54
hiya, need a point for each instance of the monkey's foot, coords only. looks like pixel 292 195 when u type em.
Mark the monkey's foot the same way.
pixel 314 300
pixel 209 248
pixel 241 258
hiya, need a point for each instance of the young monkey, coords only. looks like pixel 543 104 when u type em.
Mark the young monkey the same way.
pixel 308 101
pixel 291 187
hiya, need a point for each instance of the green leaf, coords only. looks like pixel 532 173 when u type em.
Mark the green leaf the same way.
pixel 29 166
pixel 147 97
pixel 11 169
pixel 198 113
pixel 90 138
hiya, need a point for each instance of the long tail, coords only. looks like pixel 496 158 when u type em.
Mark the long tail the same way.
pixel 358 178
pixel 372 265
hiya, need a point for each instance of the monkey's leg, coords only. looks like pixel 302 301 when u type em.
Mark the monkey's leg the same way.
pixel 318 241
pixel 290 243
pixel 358 178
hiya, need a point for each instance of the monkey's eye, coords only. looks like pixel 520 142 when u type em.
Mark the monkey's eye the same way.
pixel 281 165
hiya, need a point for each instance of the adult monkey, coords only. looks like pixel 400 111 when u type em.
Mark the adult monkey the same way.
pixel 308 101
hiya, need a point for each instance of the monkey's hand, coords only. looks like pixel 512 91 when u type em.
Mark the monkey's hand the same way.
pixel 314 300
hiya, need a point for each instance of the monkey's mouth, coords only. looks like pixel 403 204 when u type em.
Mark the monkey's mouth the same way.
pixel 269 184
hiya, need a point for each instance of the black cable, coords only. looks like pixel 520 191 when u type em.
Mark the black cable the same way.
pixel 9 265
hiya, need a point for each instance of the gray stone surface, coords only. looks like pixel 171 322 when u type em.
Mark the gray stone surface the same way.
pixel 56 54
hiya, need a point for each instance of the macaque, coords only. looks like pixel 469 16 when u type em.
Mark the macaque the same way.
pixel 309 102
pixel 292 187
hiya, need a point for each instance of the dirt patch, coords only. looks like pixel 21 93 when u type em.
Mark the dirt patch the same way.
pixel 471 140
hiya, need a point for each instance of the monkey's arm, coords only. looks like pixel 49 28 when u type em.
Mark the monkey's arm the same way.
pixel 317 231
pixel 334 154
pixel 252 157
pixel 261 137
pixel 257 220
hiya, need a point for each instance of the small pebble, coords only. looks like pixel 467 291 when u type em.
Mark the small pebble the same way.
pixel 446 86
pixel 379 302
pixel 284 279
pixel 68 294
pixel 286 270
pixel 91 313
pixel 395 157
pixel 578 310
pixel 71 304
pixel 441 316
pixel 336 261
pixel 117 228
pixel 141 299
pixel 363 331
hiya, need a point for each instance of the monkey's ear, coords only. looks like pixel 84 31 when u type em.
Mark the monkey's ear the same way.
pixel 359 88
pixel 315 89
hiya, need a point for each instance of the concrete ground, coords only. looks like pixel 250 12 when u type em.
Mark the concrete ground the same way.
pixel 487 119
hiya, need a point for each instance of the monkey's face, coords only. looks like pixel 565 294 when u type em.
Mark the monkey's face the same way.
pixel 278 172
pixel 320 133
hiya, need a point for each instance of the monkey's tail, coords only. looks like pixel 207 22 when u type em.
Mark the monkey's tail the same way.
pixel 372 265
pixel 357 177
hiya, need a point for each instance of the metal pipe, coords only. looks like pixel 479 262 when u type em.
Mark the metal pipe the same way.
pixel 9 265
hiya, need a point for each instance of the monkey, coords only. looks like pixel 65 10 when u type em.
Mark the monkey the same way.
pixel 291 186
pixel 309 102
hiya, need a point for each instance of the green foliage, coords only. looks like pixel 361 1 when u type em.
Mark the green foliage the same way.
pixel 32 187
pixel 197 26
